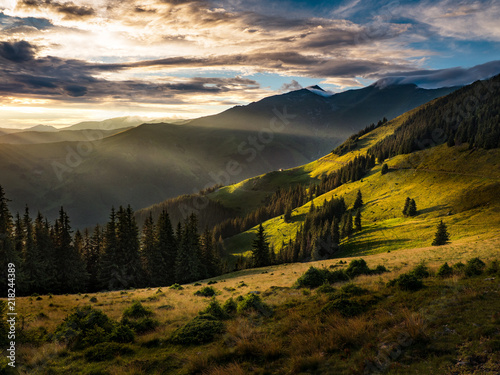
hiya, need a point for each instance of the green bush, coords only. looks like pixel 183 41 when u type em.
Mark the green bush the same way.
pixel 211 282
pixel 176 286
pixel 107 351
pixel 215 309
pixel 122 334
pixel 200 330
pixel 421 271
pixel 137 310
pixel 474 267
pixel 445 271
pixel 407 281
pixel 493 268
pixel 207 291
pixel 458 268
pixel 347 307
pixel 93 300
pixel 230 306
pixel 350 290
pixel 85 326
pixel 380 269
pixel 357 267
pixel 312 278
pixel 253 302
pixel 325 289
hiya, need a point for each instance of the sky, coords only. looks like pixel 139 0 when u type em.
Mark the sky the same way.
pixel 65 61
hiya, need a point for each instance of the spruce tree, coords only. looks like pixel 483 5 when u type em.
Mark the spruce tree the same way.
pixel 188 265
pixel 412 208
pixel 128 246
pixel 92 257
pixel 109 269
pixel 167 247
pixel 32 264
pixel 406 206
pixel 358 203
pixel 357 221
pixel 71 275
pixel 8 253
pixel 45 250
pixel 348 225
pixel 153 261
pixel 385 169
pixel 260 249
pixel 441 237
pixel 335 233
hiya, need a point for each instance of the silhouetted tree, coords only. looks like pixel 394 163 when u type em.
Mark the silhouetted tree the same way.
pixel 441 237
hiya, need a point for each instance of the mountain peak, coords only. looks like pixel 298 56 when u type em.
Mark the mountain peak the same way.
pixel 318 91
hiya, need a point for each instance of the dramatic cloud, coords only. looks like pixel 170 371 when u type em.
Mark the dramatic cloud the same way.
pixel 170 54
pixel 294 85
pixel 443 77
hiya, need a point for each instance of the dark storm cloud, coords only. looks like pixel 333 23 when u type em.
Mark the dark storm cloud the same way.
pixel 69 9
pixel 22 74
pixel 443 77
pixel 17 52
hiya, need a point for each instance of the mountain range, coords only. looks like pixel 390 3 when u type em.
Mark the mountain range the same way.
pixel 151 162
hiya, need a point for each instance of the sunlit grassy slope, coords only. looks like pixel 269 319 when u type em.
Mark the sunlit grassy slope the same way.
pixel 457 185
pixel 294 339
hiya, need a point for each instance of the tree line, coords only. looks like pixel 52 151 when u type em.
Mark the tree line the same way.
pixel 469 115
pixel 51 258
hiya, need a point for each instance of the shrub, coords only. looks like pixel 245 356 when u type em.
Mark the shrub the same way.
pixel 93 300
pixel 312 278
pixel 200 330
pixel 141 325
pixel 385 169
pixel 122 334
pixel 345 306
pixel 379 270
pixel 421 271
pixel 84 327
pixel 458 268
pixel 357 267
pixel 474 267
pixel 211 282
pixel 253 302
pixel 176 286
pixel 214 309
pixel 107 351
pixel 137 310
pixel 336 276
pixel 326 289
pixel 207 291
pixel 230 306
pixel 493 268
pixel 407 281
pixel 351 289
pixel 445 271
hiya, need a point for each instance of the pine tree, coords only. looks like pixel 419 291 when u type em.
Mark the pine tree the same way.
pixel 441 237
pixel 45 250
pixel 128 246
pixel 188 265
pixel 358 203
pixel 32 264
pixel 407 206
pixel 92 257
pixel 260 249
pixel 357 221
pixel 8 253
pixel 335 233
pixel 412 208
pixel 109 269
pixel 71 276
pixel 167 247
pixel 153 261
pixel 348 225
pixel 385 169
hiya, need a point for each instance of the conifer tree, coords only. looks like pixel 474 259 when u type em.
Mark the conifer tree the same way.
pixel 441 237
pixel 358 203
pixel 153 261
pixel 260 249
pixel 71 275
pixel 348 225
pixel 167 247
pixel 8 253
pixel 92 257
pixel 412 208
pixel 32 266
pixel 188 265
pixel 406 206
pixel 128 246
pixel 109 272
pixel 357 221
pixel 45 250
pixel 335 232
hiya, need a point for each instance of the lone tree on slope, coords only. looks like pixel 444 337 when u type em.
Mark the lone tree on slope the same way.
pixel 441 237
